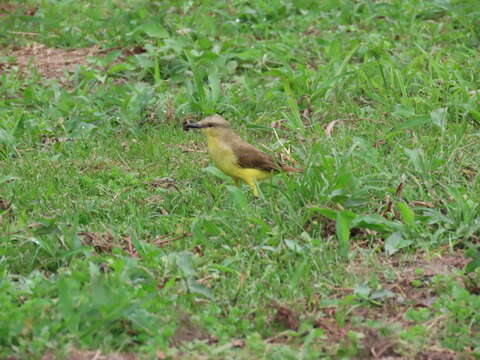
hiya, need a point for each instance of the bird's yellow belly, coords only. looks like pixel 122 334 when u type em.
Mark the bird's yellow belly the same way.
pixel 224 158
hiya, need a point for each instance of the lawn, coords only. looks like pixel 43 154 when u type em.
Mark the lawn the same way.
pixel 119 239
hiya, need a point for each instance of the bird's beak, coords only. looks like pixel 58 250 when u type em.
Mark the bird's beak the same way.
pixel 189 126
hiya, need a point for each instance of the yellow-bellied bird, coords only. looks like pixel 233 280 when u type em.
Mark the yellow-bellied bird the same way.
pixel 235 157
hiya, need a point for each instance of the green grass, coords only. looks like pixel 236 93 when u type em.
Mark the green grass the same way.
pixel 98 160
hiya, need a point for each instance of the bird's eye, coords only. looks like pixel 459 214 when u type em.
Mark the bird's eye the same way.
pixel 210 125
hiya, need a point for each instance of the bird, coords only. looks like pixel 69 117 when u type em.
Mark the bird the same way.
pixel 234 156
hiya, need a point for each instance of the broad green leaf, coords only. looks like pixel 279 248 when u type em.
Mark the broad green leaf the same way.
pixel 215 172
pixel 185 262
pixel 392 243
pixel 6 138
pixel 472 265
pixel 294 246
pixel 345 61
pixel 381 294
pixel 343 231
pixel 362 290
pixel 196 288
pixel 119 67
pixel 215 86
pixel 395 242
pixel 238 197
pixel 42 244
pixel 198 77
pixel 294 118
pixel 329 213
pixel 155 30
pixel 415 122
pixel 439 118
pixel 65 295
pixel 5 179
pixel 402 111
pixel 375 222
pixel 416 158
pixel 407 214
pixel 345 179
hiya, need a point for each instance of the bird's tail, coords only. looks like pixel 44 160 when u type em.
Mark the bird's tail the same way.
pixel 290 169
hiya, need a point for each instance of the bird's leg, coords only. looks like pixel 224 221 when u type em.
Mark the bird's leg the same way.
pixel 253 185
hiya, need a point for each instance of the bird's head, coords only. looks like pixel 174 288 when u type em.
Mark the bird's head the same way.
pixel 213 125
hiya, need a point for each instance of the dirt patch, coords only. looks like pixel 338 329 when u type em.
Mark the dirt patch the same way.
pixel 6 210
pixel 105 242
pixel 193 147
pixel 164 240
pixel 132 51
pixel 187 331
pixel 436 355
pixel 50 62
pixel 91 355
pixel 376 346
pixel 391 311
pixel 407 285
pixel 9 8
pixel 439 265
pixel 285 317
pixel 164 183
pixel 373 345
pixel 328 226
pixel 411 284
pixel 471 281
pixel 406 272
pixel 333 331
pixel 51 140
pixel 53 62
pixel 4 205
pixel 102 243
pixel 129 246
pixel 413 277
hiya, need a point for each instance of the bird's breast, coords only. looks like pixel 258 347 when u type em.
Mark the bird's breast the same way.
pixel 222 155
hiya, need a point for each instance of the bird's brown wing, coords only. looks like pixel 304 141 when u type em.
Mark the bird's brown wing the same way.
pixel 250 157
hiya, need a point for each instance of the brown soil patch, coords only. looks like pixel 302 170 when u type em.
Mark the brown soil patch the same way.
pixel 411 283
pixel 53 62
pixel 105 242
pixel 333 331
pixel 50 62
pixel 164 183
pixel 327 225
pixel 102 243
pixel 4 204
pixel 376 346
pixel 9 8
pixel 411 287
pixel 5 209
pixel 91 355
pixel 472 282
pixel 439 265
pixel 436 355
pixel 164 240
pixel 285 317
pixel 193 147
pixel 407 271
pixel 187 331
